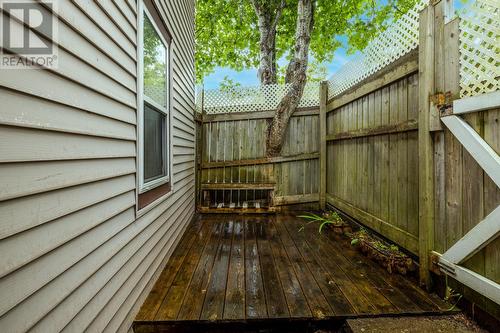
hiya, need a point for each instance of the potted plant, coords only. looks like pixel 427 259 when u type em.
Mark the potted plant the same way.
pixel 330 219
pixel 388 255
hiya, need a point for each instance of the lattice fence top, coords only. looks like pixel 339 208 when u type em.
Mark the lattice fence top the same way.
pixel 479 47
pixel 198 100
pixel 397 40
pixel 156 93
pixel 256 98
pixel 479 62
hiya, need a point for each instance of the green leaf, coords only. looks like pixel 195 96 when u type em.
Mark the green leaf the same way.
pixel 227 33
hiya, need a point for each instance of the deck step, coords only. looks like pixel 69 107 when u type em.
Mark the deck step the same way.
pixel 430 324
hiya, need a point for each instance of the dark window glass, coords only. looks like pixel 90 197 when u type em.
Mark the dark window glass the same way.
pixel 155 144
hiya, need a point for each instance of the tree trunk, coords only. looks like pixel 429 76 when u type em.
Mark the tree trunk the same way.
pixel 295 76
pixel 268 14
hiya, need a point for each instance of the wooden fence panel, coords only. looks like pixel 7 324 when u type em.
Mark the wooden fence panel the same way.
pixel 227 142
pixel 299 177
pixel 372 160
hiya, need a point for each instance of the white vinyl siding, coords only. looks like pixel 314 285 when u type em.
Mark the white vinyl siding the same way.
pixel 74 255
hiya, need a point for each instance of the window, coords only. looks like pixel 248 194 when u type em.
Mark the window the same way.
pixel 153 99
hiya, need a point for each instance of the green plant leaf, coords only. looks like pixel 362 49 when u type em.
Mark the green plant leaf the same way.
pixel 227 33
pixel 322 225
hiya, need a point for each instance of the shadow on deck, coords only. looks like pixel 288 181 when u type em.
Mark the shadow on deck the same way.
pixel 246 273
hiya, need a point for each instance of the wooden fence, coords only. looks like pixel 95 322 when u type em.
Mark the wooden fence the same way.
pixel 391 163
pixel 372 160
pixel 232 157
pixel 380 152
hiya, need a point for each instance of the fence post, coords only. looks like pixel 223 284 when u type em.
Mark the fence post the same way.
pixel 199 152
pixel 425 142
pixel 446 81
pixel 323 100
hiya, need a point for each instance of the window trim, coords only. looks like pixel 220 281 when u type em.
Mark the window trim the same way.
pixel 142 187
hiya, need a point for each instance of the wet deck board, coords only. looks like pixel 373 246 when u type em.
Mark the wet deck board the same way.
pixel 240 268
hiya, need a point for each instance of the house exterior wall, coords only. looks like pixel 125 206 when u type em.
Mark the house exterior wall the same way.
pixel 74 253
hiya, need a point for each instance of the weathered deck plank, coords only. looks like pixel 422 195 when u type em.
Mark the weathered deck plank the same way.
pixel 235 290
pixel 273 290
pixel 150 307
pixel 317 301
pixel 243 269
pixel 329 285
pixel 213 307
pixel 254 287
pixel 295 298
pixel 171 303
pixel 195 294
pixel 349 289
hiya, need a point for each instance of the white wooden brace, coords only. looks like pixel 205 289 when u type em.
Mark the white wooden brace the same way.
pixel 477 103
pixel 476 239
pixel 479 283
pixel 487 158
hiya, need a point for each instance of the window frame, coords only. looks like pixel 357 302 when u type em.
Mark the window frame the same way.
pixel 163 182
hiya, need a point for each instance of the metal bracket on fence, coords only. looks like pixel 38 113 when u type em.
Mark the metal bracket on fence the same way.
pixel 443 102
pixel 446 267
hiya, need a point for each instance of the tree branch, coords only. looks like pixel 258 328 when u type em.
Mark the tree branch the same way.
pixel 268 15
pixel 296 76
pixel 279 10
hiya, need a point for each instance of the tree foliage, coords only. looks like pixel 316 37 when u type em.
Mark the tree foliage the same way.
pixel 227 33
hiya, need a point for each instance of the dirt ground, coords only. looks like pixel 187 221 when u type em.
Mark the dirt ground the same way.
pixel 430 324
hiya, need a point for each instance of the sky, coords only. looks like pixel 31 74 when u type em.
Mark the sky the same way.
pixel 249 77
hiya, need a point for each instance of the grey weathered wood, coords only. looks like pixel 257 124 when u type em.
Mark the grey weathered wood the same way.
pixel 234 154
pixel 295 199
pixel 439 61
pixel 409 66
pixel 256 115
pixel 492 196
pixel 395 234
pixel 405 126
pixel 425 144
pixel 227 186
pixel 371 172
pixel 449 233
pixel 259 161
pixel 323 98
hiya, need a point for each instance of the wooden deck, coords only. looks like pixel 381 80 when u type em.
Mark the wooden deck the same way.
pixel 240 269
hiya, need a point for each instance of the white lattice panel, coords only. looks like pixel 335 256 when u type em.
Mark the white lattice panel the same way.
pixel 198 98
pixel 397 40
pixel 480 47
pixel 257 98
pixel 157 94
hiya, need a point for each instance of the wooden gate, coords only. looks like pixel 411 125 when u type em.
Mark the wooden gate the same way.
pixel 488 229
